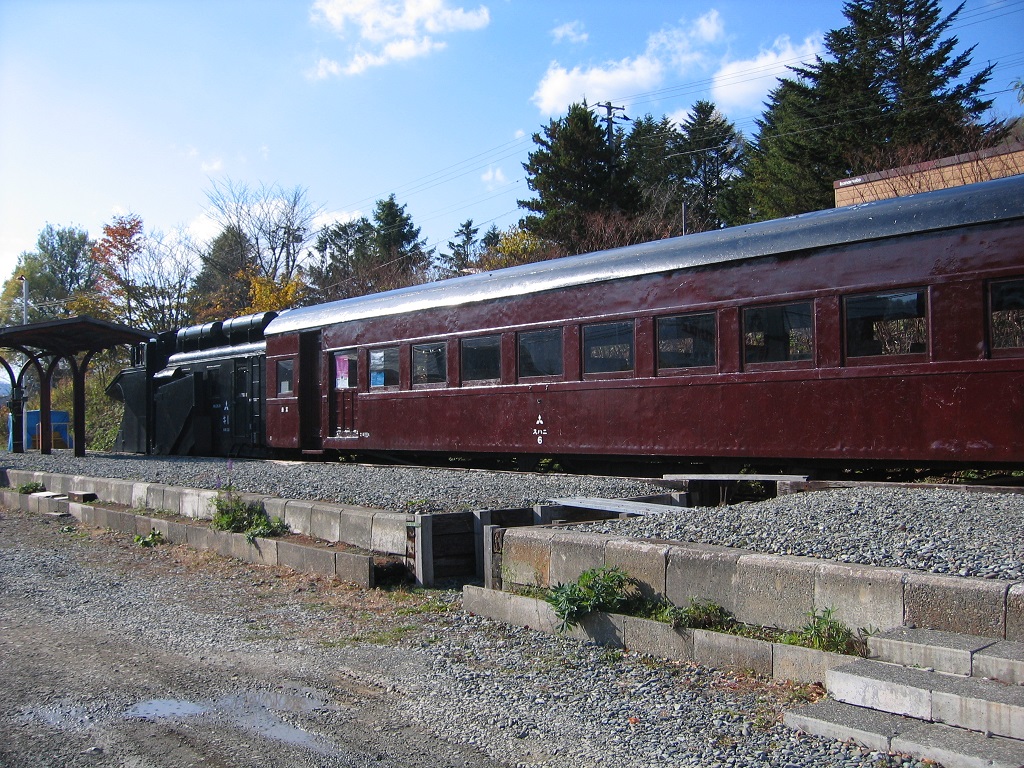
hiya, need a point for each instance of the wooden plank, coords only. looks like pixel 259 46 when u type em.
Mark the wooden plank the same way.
pixel 738 478
pixel 619 506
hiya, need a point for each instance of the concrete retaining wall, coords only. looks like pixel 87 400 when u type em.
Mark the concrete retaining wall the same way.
pixel 713 649
pixel 346 566
pixel 768 590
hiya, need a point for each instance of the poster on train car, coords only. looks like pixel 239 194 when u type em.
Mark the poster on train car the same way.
pixel 340 372
pixel 377 368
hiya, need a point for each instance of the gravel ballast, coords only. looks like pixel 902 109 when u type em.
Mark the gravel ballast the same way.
pixel 943 531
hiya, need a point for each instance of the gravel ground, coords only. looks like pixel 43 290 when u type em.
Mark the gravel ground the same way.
pixel 115 655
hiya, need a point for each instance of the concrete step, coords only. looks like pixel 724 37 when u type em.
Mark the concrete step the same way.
pixel 953 747
pixel 951 653
pixel 980 705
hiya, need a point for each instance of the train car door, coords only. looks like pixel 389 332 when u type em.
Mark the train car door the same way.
pixel 343 400
pixel 310 392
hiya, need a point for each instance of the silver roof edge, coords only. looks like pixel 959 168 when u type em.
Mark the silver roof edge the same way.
pixel 960 206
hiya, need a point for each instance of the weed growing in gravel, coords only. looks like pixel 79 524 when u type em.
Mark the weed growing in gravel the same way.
pixel 233 513
pixel 152 539
pixel 824 632
pixel 597 589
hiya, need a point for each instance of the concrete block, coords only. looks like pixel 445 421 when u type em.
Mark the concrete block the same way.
pixel 200 537
pixel 261 551
pixel 121 521
pixel 97 518
pixel 157 497
pixel 957 748
pixel 115 491
pixel 177 533
pixel 306 559
pixel 942 651
pixel 774 591
pixel 838 721
pixel 954 604
pixel 510 608
pixel 705 572
pixel 526 557
pixel 979 705
pixel 645 561
pixel 159 525
pixel 140 496
pixel 862 597
pixel 803 665
pixel 883 687
pixel 143 525
pixel 324 522
pixel 389 533
pixel 193 503
pixel 355 569
pixel 79 512
pixel 656 639
pixel 600 628
pixel 573 553
pixel 1003 661
pixel 717 649
pixel 223 542
pixel 1015 612
pixel 298 515
pixel 356 528
pixel 275 507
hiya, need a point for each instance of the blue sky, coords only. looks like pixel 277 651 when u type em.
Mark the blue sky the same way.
pixel 109 107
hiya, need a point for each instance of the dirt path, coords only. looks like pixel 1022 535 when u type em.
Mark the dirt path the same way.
pixel 115 655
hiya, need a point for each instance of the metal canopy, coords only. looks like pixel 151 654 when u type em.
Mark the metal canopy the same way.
pixel 45 344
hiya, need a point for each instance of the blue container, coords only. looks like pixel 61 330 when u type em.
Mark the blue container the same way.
pixel 59 421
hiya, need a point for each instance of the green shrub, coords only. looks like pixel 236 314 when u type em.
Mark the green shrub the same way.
pixel 151 539
pixel 27 488
pixel 232 513
pixel 597 589
pixel 824 632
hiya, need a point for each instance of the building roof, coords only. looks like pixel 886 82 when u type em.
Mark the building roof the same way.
pixel 69 336
pixel 977 203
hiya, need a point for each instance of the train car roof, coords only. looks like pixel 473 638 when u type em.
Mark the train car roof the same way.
pixel 989 201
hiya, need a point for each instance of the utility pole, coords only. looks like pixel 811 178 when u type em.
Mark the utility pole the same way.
pixel 609 120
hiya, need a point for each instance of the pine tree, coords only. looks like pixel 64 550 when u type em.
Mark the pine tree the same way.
pixel 463 251
pixel 402 258
pixel 891 87
pixel 711 149
pixel 571 172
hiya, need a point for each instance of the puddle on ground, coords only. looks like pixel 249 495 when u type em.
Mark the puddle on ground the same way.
pixel 257 712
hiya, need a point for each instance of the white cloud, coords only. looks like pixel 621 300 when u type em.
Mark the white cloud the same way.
pixel 561 87
pixel 677 49
pixel 212 166
pixel 744 84
pixel 385 31
pixel 571 32
pixel 330 218
pixel 324 68
pixel 493 178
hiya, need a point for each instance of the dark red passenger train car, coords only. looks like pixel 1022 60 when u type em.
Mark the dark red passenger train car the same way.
pixel 889 332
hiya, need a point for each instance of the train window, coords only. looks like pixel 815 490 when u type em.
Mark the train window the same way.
pixel 1007 314
pixel 345 370
pixel 608 347
pixel 384 367
pixel 687 341
pixel 540 353
pixel 886 324
pixel 481 358
pixel 285 376
pixel 782 333
pixel 429 363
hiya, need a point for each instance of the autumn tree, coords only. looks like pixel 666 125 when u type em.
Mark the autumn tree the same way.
pixel 271 227
pixel 143 279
